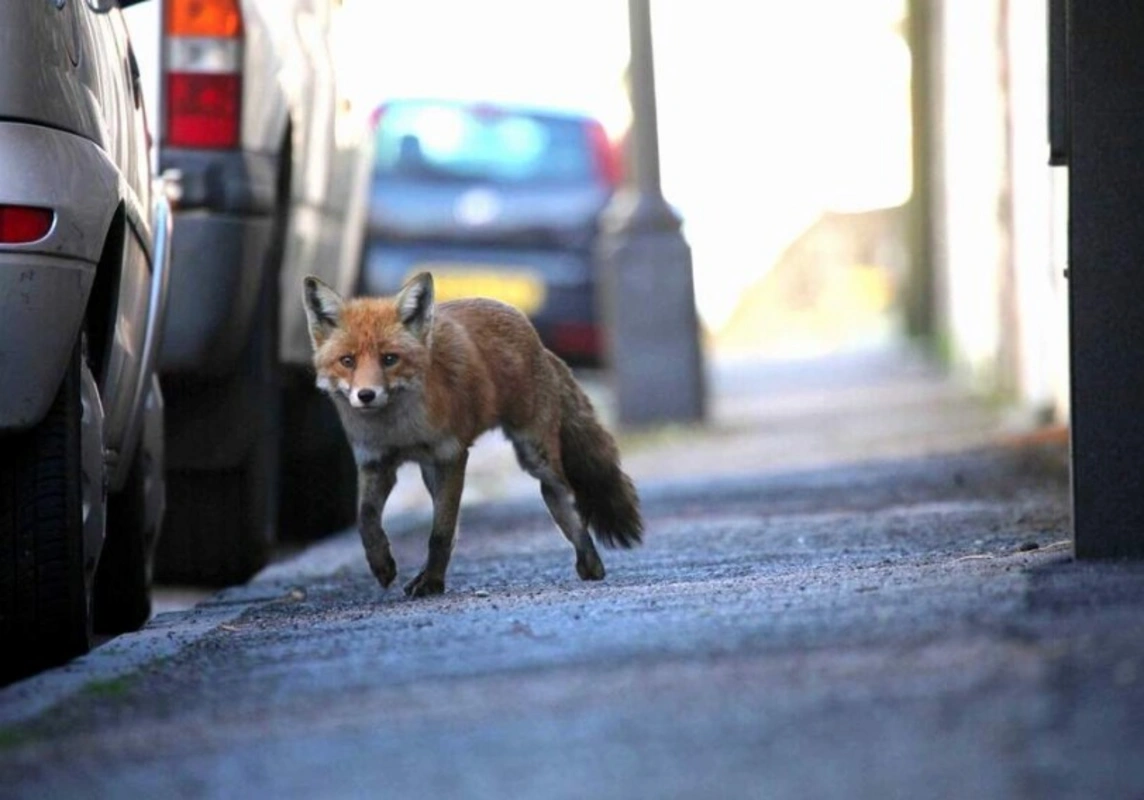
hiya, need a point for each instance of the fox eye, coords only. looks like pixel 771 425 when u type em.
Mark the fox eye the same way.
pixel 389 359
pixel 347 361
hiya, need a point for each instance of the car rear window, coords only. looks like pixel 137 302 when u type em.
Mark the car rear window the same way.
pixel 431 141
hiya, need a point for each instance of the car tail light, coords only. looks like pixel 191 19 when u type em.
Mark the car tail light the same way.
pixel 576 338
pixel 203 65
pixel 486 112
pixel 376 115
pixel 23 224
pixel 609 165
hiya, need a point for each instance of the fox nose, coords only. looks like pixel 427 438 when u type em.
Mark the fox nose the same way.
pixel 367 396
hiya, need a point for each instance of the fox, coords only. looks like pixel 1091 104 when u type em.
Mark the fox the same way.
pixel 418 381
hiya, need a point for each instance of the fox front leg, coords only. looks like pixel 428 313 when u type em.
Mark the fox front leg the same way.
pixel 375 481
pixel 445 482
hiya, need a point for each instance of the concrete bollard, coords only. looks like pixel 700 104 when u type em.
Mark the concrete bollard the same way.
pixel 647 299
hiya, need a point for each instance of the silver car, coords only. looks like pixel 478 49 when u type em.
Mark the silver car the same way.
pixel 83 273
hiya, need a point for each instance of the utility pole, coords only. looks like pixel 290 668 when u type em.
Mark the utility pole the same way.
pixel 1098 130
pixel 919 293
pixel 647 294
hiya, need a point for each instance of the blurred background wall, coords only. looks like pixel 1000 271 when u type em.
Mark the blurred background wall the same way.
pixel 997 211
pixel 788 146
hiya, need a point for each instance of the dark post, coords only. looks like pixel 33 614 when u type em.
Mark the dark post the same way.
pixel 646 291
pixel 919 289
pixel 1105 151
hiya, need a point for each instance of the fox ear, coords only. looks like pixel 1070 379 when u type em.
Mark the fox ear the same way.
pixel 323 305
pixel 415 304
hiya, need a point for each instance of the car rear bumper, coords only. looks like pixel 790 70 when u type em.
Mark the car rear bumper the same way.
pixel 564 310
pixel 223 223
pixel 216 270
pixel 42 301
pixel 44 285
pixel 225 181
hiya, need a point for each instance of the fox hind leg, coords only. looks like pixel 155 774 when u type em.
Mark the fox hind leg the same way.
pixel 543 464
pixel 558 498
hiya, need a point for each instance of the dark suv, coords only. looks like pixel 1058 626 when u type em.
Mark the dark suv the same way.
pixel 494 201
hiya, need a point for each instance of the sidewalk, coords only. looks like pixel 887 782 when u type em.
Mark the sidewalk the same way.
pixel 908 626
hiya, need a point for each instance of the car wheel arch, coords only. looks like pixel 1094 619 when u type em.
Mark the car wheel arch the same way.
pixel 103 298
pixel 286 168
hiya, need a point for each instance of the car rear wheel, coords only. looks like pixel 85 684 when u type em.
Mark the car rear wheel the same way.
pixel 220 532
pixel 45 493
pixel 220 523
pixel 122 593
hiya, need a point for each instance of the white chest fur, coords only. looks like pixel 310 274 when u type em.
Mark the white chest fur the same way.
pixel 397 432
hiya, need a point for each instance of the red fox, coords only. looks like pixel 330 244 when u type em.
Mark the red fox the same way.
pixel 417 381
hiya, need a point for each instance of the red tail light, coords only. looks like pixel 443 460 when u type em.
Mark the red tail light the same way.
pixel 609 165
pixel 376 116
pixel 203 110
pixel 23 224
pixel 576 339
pixel 203 63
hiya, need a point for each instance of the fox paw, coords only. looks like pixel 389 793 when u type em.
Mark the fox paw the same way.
pixel 384 569
pixel 589 567
pixel 424 585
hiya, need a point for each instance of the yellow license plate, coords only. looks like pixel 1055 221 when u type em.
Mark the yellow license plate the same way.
pixel 524 290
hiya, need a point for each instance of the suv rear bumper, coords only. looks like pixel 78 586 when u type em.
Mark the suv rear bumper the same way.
pixel 216 271
pixel 223 226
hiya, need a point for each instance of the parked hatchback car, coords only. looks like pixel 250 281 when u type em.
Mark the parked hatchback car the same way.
pixel 250 119
pixel 497 201
pixel 83 277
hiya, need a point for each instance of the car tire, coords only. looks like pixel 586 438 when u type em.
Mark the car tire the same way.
pixel 44 591
pixel 220 532
pixel 122 593
pixel 319 476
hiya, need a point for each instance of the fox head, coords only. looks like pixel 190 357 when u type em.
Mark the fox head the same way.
pixel 369 350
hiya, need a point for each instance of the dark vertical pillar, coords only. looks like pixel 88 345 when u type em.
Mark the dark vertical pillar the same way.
pixel 1106 275
pixel 919 288
pixel 647 293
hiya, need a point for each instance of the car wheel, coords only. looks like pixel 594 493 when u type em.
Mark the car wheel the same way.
pixel 122 593
pixel 219 533
pixel 51 504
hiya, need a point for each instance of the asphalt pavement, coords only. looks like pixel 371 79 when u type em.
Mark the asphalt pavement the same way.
pixel 897 619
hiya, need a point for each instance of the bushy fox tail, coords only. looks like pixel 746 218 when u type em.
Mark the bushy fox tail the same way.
pixel 605 497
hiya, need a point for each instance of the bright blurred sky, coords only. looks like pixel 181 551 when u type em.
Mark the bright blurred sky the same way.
pixel 770 112
pixel 567 53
